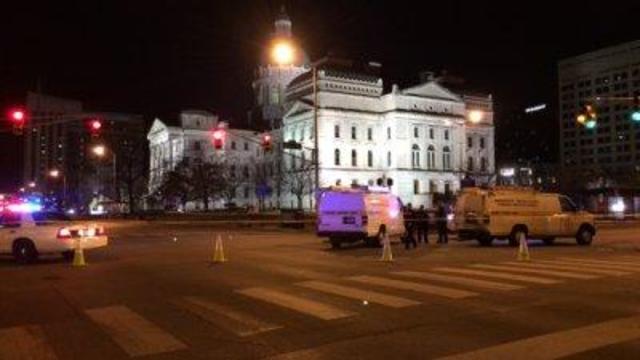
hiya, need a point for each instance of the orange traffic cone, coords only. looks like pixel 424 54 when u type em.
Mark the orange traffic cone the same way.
pixel 387 256
pixel 78 255
pixel 218 251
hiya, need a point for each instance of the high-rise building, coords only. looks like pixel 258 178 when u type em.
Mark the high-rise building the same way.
pixel 271 79
pixel 607 80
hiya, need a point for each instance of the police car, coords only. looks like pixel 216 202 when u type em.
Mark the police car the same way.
pixel 27 235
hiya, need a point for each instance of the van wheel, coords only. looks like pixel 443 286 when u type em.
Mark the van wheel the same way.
pixel 549 241
pixel 584 236
pixel 517 232
pixel 24 251
pixel 485 240
pixel 335 242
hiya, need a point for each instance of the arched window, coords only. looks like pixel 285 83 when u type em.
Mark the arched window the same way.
pixel 415 156
pixel 431 157
pixel 354 158
pixel 370 158
pixel 446 158
pixel 336 157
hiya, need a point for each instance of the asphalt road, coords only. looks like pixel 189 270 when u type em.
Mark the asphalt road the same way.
pixel 284 294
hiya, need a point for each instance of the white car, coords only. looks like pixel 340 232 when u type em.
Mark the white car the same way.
pixel 27 235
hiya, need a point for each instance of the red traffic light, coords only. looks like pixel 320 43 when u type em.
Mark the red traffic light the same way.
pixel 218 138
pixel 94 126
pixel 17 117
pixel 266 142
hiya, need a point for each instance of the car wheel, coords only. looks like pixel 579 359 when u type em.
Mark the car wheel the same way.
pixel 24 251
pixel 335 242
pixel 68 255
pixel 584 237
pixel 549 241
pixel 485 240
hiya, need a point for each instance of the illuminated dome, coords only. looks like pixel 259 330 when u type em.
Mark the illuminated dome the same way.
pixel 283 36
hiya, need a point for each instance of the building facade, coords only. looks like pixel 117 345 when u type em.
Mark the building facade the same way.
pixel 606 79
pixel 189 139
pixel 419 138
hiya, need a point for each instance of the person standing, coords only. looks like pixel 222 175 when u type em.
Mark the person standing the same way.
pixel 441 222
pixel 422 225
pixel 409 225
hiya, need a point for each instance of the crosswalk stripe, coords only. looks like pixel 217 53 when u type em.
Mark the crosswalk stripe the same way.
pixel 612 264
pixel 299 304
pixel 413 286
pixel 582 267
pixel 239 323
pixel 136 335
pixel 25 342
pixel 485 284
pixel 513 267
pixel 500 275
pixel 560 269
pixel 358 294
pixel 560 344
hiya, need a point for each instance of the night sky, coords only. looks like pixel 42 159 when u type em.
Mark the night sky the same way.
pixel 157 57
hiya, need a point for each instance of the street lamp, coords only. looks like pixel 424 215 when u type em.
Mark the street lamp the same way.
pixel 100 151
pixel 283 53
pixel 475 116
pixel 55 174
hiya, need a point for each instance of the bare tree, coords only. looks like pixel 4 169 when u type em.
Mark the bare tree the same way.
pixel 175 186
pixel 229 183
pixel 299 180
pixel 206 181
pixel 131 173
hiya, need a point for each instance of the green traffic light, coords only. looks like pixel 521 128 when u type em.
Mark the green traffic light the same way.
pixel 591 124
pixel 635 116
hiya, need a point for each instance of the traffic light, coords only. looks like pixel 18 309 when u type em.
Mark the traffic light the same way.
pixel 95 127
pixel 17 117
pixel 588 116
pixel 266 142
pixel 218 136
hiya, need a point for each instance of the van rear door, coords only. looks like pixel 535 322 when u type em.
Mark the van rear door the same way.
pixel 340 213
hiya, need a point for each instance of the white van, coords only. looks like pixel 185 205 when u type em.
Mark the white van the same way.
pixel 358 213
pixel 508 213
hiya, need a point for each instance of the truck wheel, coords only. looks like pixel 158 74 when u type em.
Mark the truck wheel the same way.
pixel 584 236
pixel 517 232
pixel 549 241
pixel 335 242
pixel 24 251
pixel 68 255
pixel 485 240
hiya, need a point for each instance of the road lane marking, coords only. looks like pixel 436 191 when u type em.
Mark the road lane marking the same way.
pixel 25 342
pixel 513 267
pixel 358 294
pixel 610 264
pixel 485 284
pixel 413 286
pixel 500 275
pixel 239 323
pixel 134 334
pixel 302 305
pixel 560 344
pixel 580 267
